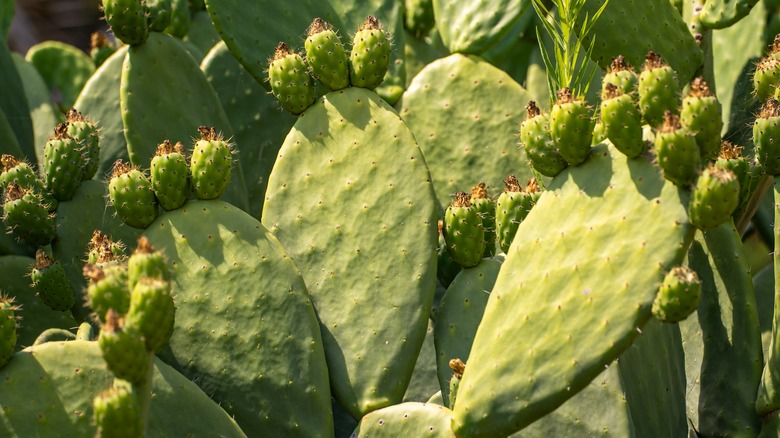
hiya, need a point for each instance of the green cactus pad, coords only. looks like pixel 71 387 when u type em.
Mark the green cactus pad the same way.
pixel 353 170
pixel 170 175
pixel 418 17
pixel 701 114
pixel 326 55
pixel 64 68
pixel 474 26
pixel 127 19
pixel 718 14
pixel 158 14
pixel 538 144
pixel 715 197
pixel 406 419
pixel 51 387
pixel 42 112
pixel 464 232
pixel 51 283
pixel 265 367
pixel 601 299
pixel 466 139
pixel 131 194
pixel 622 121
pixel 171 104
pixel 768 398
pixel 7 9
pixel 14 105
pixel 180 19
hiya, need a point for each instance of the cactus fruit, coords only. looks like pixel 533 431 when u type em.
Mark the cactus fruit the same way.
pixel 290 80
pixel 767 75
pixel 7 329
pixel 370 55
pixel 715 197
pixel 463 231
pixel 132 196
pixel 599 132
pixel 127 19
pixel 571 127
pixel 170 175
pixel 22 174
pixel 730 157
pixel 622 120
pixel 701 114
pixel 100 48
pixel 766 137
pixel 62 164
pixel 123 350
pixel 418 17
pixel 326 55
pixel 677 151
pixel 180 19
pixel 210 164
pixel 620 75
pixel 512 207
pixel 107 290
pixel 146 263
pixel 152 312
pixel 658 90
pixel 118 414
pixel 536 139
pixel 51 284
pixel 486 209
pixel 158 14
pixel 28 216
pixel 457 367
pixel 103 251
pixel 85 133
pixel 678 295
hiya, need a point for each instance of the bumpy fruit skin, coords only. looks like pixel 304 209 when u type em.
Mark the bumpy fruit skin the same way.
pixel 419 18
pixel 701 114
pixel 539 147
pixel 766 137
pixel 290 81
pixel 658 90
pixel 370 55
pixel 51 283
pixel 131 194
pixel 170 176
pixel 62 164
pixel 23 175
pixel 715 197
pixel 571 128
pixel 731 158
pixel 107 290
pixel 210 165
pixel 622 122
pixel 678 295
pixel 766 77
pixel 123 350
pixel 620 75
pixel 152 312
pixel 326 55
pixel 158 14
pixel 180 19
pixel 7 330
pixel 127 19
pixel 678 154
pixel 117 414
pixel 146 262
pixel 486 209
pixel 85 133
pixel 512 208
pixel 463 232
pixel 28 217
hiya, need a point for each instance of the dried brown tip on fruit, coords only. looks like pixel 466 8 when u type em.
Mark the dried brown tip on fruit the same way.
pixel 775 47
pixel 318 25
pixel 13 192
pixel 699 88
pixel 729 151
pixel 653 60
pixel 458 367
pixel 721 173
pixel 74 116
pixel 120 168
pixel 619 64
pixel 479 191
pixel 532 186
pixel 611 91
pixel 113 322
pixel 531 110
pixel 9 300
pixel 93 272
pixel 164 148
pixel 770 109
pixel 98 40
pixel 61 132
pixel 97 239
pixel 685 274
pixel 671 122
pixel 564 96
pixel 178 147
pixel 440 226
pixel 512 184
pixel 371 23
pixel 9 162
pixel 42 261
pixel 209 134
pixel 144 246
pixel 281 51
pixel 462 199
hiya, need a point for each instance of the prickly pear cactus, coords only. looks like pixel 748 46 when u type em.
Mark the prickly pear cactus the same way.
pixel 678 295
pixel 464 231
pixel 290 82
pixel 326 55
pixel 8 325
pixel 538 144
pixel 170 175
pixel 127 19
pixel 370 55
pixel 51 283
pixel 132 196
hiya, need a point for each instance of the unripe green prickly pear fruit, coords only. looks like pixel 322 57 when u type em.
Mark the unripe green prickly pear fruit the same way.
pixel 571 127
pixel 370 55
pixel 27 216
pixel 85 133
pixel 103 251
pixel 766 137
pixel 730 157
pixel 107 290
pixel 658 90
pixel 326 55
pixel 290 80
pixel 536 139
pixel 180 19
pixel 62 164
pixel 418 17
pixel 158 14
pixel 701 114
pixel 123 350
pixel 619 75
pixel 127 19
pixel 51 283
pixel 152 312
pixel 170 175
pixel 131 194
pixel 767 75
pixel 715 197
pixel 678 295
pixel 118 414
pixel 512 207
pixel 458 367
pixel 622 121
pixel 7 329
pixel 463 232
pixel 23 175
pixel 100 48
pixel 677 151
pixel 599 132
pixel 210 164
pixel 146 262
pixel 486 209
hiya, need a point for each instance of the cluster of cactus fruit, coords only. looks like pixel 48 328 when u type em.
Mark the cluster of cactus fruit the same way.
pixel 289 278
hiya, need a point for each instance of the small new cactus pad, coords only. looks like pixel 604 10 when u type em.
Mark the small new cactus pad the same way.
pixel 486 209
pixel 620 75
pixel 85 133
pixel 510 211
pixel 719 14
pixel 410 419
pixel 146 262
pixel 132 196
pixel 170 175
pixel 537 141
pixel 28 217
pixel 151 312
pixel 457 367
pixel 658 90
pixel 730 157
pixel 62 164
pixel 715 197
pixel 118 414
pixel 22 174
pixel 7 329
pixel 701 114
pixel 326 55
pixel 463 231
pixel 107 290
pixel 766 77
pixel 766 137
pixel 100 48
pixel 123 350
pixel 571 127
pixel 51 284
pixel 158 14
pixel 210 164
pixel 677 151
pixel 370 55
pixel 622 120
pixel 127 19
pixel 290 80
pixel 678 295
